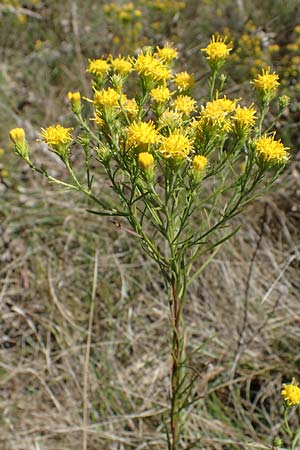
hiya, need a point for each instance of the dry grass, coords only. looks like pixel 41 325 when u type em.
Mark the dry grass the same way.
pixel 243 311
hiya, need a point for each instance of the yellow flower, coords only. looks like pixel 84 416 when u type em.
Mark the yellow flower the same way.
pixel 74 97
pixel 160 94
pixel 218 110
pixel 291 393
pixel 57 136
pixel 217 49
pixel 184 81
pixel 145 160
pixel 4 173
pixel 266 81
pixel 199 163
pixel 98 67
pixel 17 135
pixel 270 150
pixel 150 67
pixel 292 47
pixel 130 105
pixel 176 146
pixel 274 48
pixel 98 120
pixel 1 151
pixel 167 53
pixel 244 118
pixel 141 134
pixel 184 104
pixel 121 65
pixel 170 119
pixel 22 18
pixel 106 98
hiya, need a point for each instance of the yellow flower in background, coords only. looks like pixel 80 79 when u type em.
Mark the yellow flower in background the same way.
pixel 217 49
pixel 1 151
pixel 17 135
pixel 160 94
pixel 176 145
pixel 150 67
pixel 145 160
pixel 274 48
pixel 184 81
pixel 56 136
pixel 244 118
pixel 167 53
pixel 99 67
pixel 184 104
pixel 266 81
pixel 141 134
pixel 291 393
pixel 199 163
pixel 22 18
pixel 121 65
pixel 270 150
pixel 106 98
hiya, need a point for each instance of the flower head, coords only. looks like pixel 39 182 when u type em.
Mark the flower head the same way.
pixel 217 113
pixel 266 81
pixel 176 146
pixel 270 150
pixel 141 135
pixel 170 119
pixel 56 136
pixel 160 94
pixel 98 67
pixel 184 81
pixel 106 98
pixel 121 65
pixel 291 393
pixel 148 66
pixel 217 49
pixel 199 163
pixel 184 104
pixel 130 105
pixel 244 118
pixel 167 53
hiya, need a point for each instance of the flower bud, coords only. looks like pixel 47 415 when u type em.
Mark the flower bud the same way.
pixel 278 442
pixel 199 165
pixel 17 135
pixel 284 102
pixel 146 163
pixel 75 100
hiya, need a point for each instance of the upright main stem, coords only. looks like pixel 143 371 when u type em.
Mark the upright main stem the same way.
pixel 177 369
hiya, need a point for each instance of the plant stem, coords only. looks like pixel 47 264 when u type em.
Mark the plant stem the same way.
pixel 177 369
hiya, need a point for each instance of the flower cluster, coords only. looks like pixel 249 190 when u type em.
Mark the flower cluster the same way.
pixel 162 124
